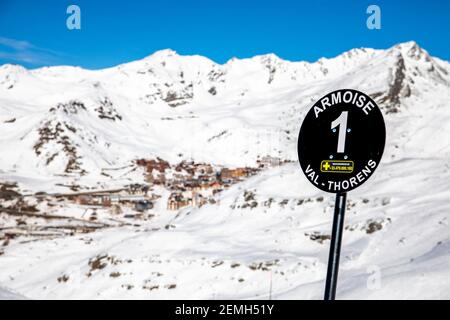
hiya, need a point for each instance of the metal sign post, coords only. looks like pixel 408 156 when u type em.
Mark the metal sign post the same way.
pixel 340 145
pixel 335 246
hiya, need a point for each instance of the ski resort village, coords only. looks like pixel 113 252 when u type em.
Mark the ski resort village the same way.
pixel 175 177
pixel 167 188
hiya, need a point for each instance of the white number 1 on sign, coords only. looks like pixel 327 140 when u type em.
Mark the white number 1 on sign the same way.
pixel 341 121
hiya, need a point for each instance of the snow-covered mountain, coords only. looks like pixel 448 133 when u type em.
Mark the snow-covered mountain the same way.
pixel 66 125
pixel 68 121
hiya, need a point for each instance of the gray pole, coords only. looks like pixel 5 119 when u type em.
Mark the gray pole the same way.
pixel 335 246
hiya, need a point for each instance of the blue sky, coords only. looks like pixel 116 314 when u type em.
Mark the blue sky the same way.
pixel 34 33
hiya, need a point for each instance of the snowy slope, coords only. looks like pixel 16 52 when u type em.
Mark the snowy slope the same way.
pixel 63 125
pixel 231 250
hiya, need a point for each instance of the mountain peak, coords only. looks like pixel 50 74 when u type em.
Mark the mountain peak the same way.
pixel 357 52
pixel 162 54
pixel 412 50
pixel 407 45
pixel 268 56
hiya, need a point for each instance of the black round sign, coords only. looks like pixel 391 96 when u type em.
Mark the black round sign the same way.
pixel 341 141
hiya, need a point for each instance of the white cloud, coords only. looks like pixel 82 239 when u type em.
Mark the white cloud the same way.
pixel 15 44
pixel 24 51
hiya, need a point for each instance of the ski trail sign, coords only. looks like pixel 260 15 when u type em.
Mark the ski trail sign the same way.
pixel 340 144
